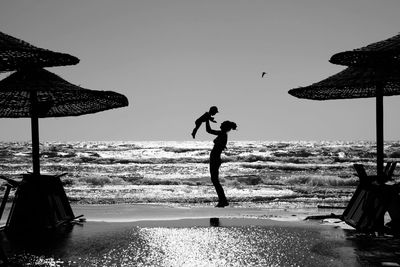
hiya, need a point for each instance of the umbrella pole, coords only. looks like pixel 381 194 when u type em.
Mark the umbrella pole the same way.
pixel 379 130
pixel 35 134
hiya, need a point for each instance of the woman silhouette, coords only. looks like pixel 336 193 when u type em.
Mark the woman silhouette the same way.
pixel 215 157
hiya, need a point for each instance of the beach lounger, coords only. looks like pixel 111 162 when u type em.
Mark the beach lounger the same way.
pixel 365 210
pixel 367 207
pixel 365 178
pixel 362 174
pixel 40 203
pixel 11 184
pixel 389 170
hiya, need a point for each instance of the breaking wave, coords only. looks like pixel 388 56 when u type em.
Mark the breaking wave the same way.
pixel 298 165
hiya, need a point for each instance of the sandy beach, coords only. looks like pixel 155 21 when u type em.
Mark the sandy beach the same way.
pixel 166 235
pixel 166 217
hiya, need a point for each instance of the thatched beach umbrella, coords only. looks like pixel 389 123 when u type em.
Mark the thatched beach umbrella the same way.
pixel 17 54
pixel 38 93
pixel 356 82
pixel 384 57
pixel 385 54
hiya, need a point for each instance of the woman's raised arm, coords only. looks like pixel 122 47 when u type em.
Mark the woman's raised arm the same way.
pixel 209 130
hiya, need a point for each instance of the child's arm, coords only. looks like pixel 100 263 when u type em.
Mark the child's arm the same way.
pixel 209 130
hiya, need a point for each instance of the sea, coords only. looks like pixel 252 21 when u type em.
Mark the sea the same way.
pixel 253 173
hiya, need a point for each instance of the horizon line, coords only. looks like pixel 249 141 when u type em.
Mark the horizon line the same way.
pixel 293 140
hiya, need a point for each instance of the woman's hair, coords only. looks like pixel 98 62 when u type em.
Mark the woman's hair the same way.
pixel 228 125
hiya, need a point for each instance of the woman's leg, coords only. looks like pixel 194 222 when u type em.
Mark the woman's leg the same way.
pixel 214 171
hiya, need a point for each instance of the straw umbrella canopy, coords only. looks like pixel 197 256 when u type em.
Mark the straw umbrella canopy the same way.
pixel 38 93
pixel 384 53
pixel 357 82
pixel 17 54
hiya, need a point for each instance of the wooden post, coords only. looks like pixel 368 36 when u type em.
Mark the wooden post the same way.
pixel 379 130
pixel 35 133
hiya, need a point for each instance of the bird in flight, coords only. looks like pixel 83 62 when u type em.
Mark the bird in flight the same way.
pixel 262 75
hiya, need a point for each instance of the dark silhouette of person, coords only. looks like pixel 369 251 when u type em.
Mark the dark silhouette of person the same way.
pixel 215 157
pixel 214 222
pixel 207 116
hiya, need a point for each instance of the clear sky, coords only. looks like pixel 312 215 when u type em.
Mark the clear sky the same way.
pixel 174 59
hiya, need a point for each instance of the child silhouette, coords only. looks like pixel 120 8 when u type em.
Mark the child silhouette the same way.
pixel 207 116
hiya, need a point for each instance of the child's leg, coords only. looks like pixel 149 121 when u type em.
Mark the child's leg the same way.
pixel 198 124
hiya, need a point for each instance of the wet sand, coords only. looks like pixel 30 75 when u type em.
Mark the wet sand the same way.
pixel 160 235
pixel 138 212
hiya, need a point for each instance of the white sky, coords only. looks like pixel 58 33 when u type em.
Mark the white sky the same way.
pixel 174 59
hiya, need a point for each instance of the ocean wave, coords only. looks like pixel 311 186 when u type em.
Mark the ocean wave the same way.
pixel 245 163
pixel 293 166
pixel 179 149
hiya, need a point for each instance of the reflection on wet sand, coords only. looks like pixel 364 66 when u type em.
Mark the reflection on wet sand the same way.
pixel 237 242
pixel 214 222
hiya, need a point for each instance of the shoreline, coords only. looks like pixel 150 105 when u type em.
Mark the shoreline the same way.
pixel 133 212
pixel 148 212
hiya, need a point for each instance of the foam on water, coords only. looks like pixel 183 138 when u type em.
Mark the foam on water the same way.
pixel 298 166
